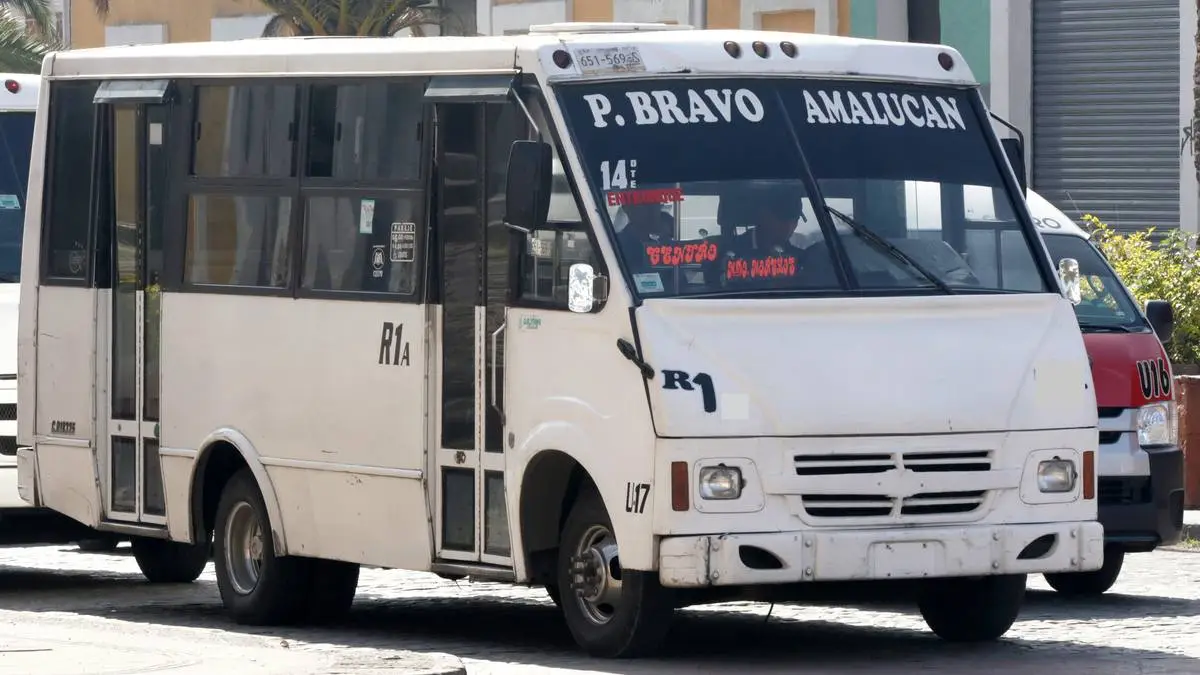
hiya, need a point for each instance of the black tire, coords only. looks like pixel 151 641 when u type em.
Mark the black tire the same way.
pixel 972 609
pixel 639 620
pixel 169 562
pixel 99 544
pixel 331 595
pixel 1090 584
pixel 282 591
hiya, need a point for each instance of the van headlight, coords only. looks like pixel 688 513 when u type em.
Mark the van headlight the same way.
pixel 1056 475
pixel 1157 424
pixel 721 482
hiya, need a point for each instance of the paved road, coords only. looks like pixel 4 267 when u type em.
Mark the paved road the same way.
pixel 69 613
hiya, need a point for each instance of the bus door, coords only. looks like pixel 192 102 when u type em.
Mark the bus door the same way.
pixel 132 123
pixel 475 126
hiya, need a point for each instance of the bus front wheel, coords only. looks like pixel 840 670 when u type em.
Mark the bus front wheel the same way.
pixel 611 612
pixel 256 586
pixel 978 609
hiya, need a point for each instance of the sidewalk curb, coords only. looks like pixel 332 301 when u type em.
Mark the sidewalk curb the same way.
pixel 1191 530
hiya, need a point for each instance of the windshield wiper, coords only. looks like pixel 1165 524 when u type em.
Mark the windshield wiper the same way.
pixel 892 250
pixel 1110 328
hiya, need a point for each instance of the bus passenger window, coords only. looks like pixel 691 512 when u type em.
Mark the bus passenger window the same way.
pixel 366 131
pixel 363 245
pixel 69 174
pixel 238 240
pixel 546 261
pixel 245 130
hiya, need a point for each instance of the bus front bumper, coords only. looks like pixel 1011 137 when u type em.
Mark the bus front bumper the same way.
pixel 914 553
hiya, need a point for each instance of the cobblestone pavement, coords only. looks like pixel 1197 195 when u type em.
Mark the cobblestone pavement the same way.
pixel 98 605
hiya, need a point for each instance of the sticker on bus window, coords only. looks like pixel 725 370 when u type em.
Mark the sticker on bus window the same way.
pixel 10 202
pixel 772 267
pixel 674 255
pixel 377 261
pixel 403 242
pixel 648 282
pixel 366 216
pixel 646 196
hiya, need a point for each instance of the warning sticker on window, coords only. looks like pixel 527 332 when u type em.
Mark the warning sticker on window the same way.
pixel 403 242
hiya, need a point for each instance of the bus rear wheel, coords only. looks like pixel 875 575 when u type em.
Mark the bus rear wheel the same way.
pixel 611 612
pixel 256 586
pixel 169 562
pixel 979 609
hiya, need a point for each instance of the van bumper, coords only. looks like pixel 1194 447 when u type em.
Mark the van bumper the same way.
pixel 1140 513
pixel 879 554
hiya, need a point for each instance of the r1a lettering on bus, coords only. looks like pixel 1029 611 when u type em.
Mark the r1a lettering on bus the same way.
pixel 662 106
pixel 393 348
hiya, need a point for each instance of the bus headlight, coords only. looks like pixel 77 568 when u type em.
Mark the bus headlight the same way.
pixel 1157 424
pixel 1056 475
pixel 721 482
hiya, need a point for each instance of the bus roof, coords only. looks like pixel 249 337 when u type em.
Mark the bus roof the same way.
pixel 663 52
pixel 20 92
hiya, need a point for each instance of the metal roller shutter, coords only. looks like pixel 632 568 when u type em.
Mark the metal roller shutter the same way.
pixel 1106 109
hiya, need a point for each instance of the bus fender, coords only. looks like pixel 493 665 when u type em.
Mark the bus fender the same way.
pixel 250 456
pixel 569 439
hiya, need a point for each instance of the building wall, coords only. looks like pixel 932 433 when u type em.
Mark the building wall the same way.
pixel 497 17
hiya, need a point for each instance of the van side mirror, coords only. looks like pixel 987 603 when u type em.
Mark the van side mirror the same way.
pixel 527 186
pixel 1161 316
pixel 1014 150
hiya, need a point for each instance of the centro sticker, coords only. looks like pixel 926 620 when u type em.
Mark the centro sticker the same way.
pixel 681 254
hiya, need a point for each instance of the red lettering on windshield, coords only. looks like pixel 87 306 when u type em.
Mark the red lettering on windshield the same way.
pixel 635 197
pixel 674 255
pixel 772 267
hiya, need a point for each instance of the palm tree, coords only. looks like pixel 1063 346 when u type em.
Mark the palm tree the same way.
pixel 363 18
pixel 21 50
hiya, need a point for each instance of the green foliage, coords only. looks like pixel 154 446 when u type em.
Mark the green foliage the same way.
pixel 1167 269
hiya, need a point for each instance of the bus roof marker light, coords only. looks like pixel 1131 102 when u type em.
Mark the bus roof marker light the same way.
pixel 761 49
pixel 12 86
pixel 788 49
pixel 733 49
pixel 946 61
pixel 562 59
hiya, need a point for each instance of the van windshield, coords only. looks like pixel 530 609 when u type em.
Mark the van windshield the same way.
pixel 1106 305
pixel 720 186
pixel 16 144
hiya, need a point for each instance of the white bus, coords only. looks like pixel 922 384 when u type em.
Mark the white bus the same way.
pixel 339 301
pixel 19 522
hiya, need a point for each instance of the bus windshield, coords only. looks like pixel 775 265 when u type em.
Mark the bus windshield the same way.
pixel 16 143
pixel 757 186
pixel 1105 304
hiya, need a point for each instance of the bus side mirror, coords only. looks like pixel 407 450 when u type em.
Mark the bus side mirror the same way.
pixel 1161 316
pixel 527 186
pixel 585 288
pixel 1014 150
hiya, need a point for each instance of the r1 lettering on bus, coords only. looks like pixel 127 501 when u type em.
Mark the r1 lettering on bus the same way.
pixel 662 106
pixel 393 348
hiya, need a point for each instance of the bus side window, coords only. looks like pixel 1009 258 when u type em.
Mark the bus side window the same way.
pixel 547 254
pixel 69 180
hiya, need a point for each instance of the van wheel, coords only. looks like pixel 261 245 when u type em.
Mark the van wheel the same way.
pixel 552 591
pixel 332 592
pixel 1090 584
pixel 972 609
pixel 169 562
pixel 257 588
pixel 611 612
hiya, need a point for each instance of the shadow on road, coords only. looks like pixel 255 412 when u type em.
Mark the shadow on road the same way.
pixel 530 632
